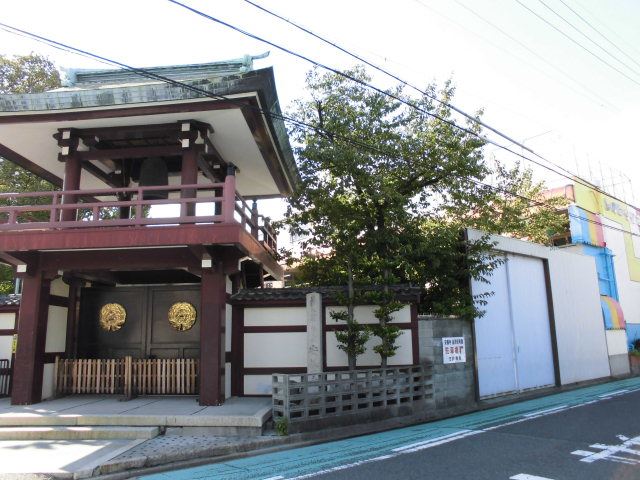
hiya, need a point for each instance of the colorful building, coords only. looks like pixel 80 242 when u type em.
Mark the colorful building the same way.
pixel 608 229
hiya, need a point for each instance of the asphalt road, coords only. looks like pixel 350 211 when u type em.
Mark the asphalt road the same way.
pixel 541 448
pixel 588 434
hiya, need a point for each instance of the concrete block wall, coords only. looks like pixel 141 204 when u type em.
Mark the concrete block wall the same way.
pixel 453 384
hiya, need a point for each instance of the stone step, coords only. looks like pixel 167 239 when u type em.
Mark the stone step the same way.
pixel 77 433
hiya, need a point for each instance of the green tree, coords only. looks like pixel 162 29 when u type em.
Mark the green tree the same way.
pixel 31 73
pixel 392 210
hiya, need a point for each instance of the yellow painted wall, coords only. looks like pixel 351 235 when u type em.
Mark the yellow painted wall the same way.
pixel 619 212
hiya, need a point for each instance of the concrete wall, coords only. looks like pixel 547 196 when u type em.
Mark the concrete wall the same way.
pixel 453 384
pixel 582 352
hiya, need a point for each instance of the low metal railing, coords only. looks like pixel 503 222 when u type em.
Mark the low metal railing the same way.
pixel 310 396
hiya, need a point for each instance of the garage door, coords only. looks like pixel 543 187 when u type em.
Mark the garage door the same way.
pixel 513 338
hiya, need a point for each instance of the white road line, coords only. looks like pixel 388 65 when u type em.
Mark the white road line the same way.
pixel 443 441
pixel 279 477
pixel 582 453
pixel 431 440
pixel 526 476
pixel 613 394
pixel 545 412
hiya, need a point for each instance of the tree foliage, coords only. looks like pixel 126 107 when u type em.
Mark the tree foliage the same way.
pixel 386 189
pixel 31 73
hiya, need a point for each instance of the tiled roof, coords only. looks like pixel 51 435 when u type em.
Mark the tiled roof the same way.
pixel 408 293
pixel 9 300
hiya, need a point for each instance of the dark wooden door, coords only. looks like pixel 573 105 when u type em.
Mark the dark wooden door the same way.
pixel 146 332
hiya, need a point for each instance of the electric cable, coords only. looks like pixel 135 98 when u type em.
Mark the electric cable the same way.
pixel 536 14
pixel 569 175
pixel 147 74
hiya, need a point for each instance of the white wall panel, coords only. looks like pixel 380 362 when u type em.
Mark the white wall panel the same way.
pixel 47 381
pixel 282 349
pixel 580 333
pixel 257 384
pixel 7 321
pixel 365 314
pixel 530 309
pixel 5 347
pixel 275 316
pixel 56 329
pixel 617 342
pixel 338 358
pixel 494 336
pixel 58 287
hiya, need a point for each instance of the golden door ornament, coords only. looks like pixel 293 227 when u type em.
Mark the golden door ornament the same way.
pixel 112 317
pixel 182 316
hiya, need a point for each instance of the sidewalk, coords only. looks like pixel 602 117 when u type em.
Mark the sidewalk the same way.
pixel 118 459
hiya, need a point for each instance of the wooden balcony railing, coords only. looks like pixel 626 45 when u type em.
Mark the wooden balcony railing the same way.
pixel 214 203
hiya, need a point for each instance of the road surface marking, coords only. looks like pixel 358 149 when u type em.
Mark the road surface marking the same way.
pixel 431 440
pixel 613 394
pixel 621 453
pixel 526 476
pixel 545 412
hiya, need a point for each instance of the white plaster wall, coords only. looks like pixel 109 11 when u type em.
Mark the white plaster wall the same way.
pixel 581 339
pixel 47 381
pixel 275 316
pixel 628 290
pixel 283 349
pixel 5 347
pixel 58 287
pixel 580 332
pixel 338 358
pixel 617 342
pixel 229 285
pixel 56 329
pixel 7 321
pixel 257 384
pixel 227 328
pixel 364 314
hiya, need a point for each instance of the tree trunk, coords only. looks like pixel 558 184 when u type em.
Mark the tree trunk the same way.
pixel 352 362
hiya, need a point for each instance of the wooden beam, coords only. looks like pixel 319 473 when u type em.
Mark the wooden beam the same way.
pixel 130 152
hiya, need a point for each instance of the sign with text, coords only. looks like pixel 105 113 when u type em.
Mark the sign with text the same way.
pixel 453 350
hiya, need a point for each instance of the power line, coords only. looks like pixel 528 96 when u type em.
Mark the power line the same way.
pixel 581 17
pixel 568 174
pixel 536 14
pixel 148 74
pixel 587 36
pixel 386 72
pixel 528 49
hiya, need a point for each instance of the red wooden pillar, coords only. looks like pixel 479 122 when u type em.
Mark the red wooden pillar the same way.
pixel 32 332
pixel 189 176
pixel 72 170
pixel 212 347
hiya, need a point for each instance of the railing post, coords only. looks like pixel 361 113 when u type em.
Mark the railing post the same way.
pixel 56 373
pixel 229 195
pixel 128 384
pixel 255 228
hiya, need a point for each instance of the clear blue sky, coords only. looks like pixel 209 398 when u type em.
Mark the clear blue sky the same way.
pixel 534 84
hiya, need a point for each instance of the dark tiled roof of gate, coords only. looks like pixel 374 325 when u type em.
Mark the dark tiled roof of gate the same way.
pixel 402 292
pixel 9 300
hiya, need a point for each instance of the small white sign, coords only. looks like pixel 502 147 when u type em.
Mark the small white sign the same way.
pixel 453 350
